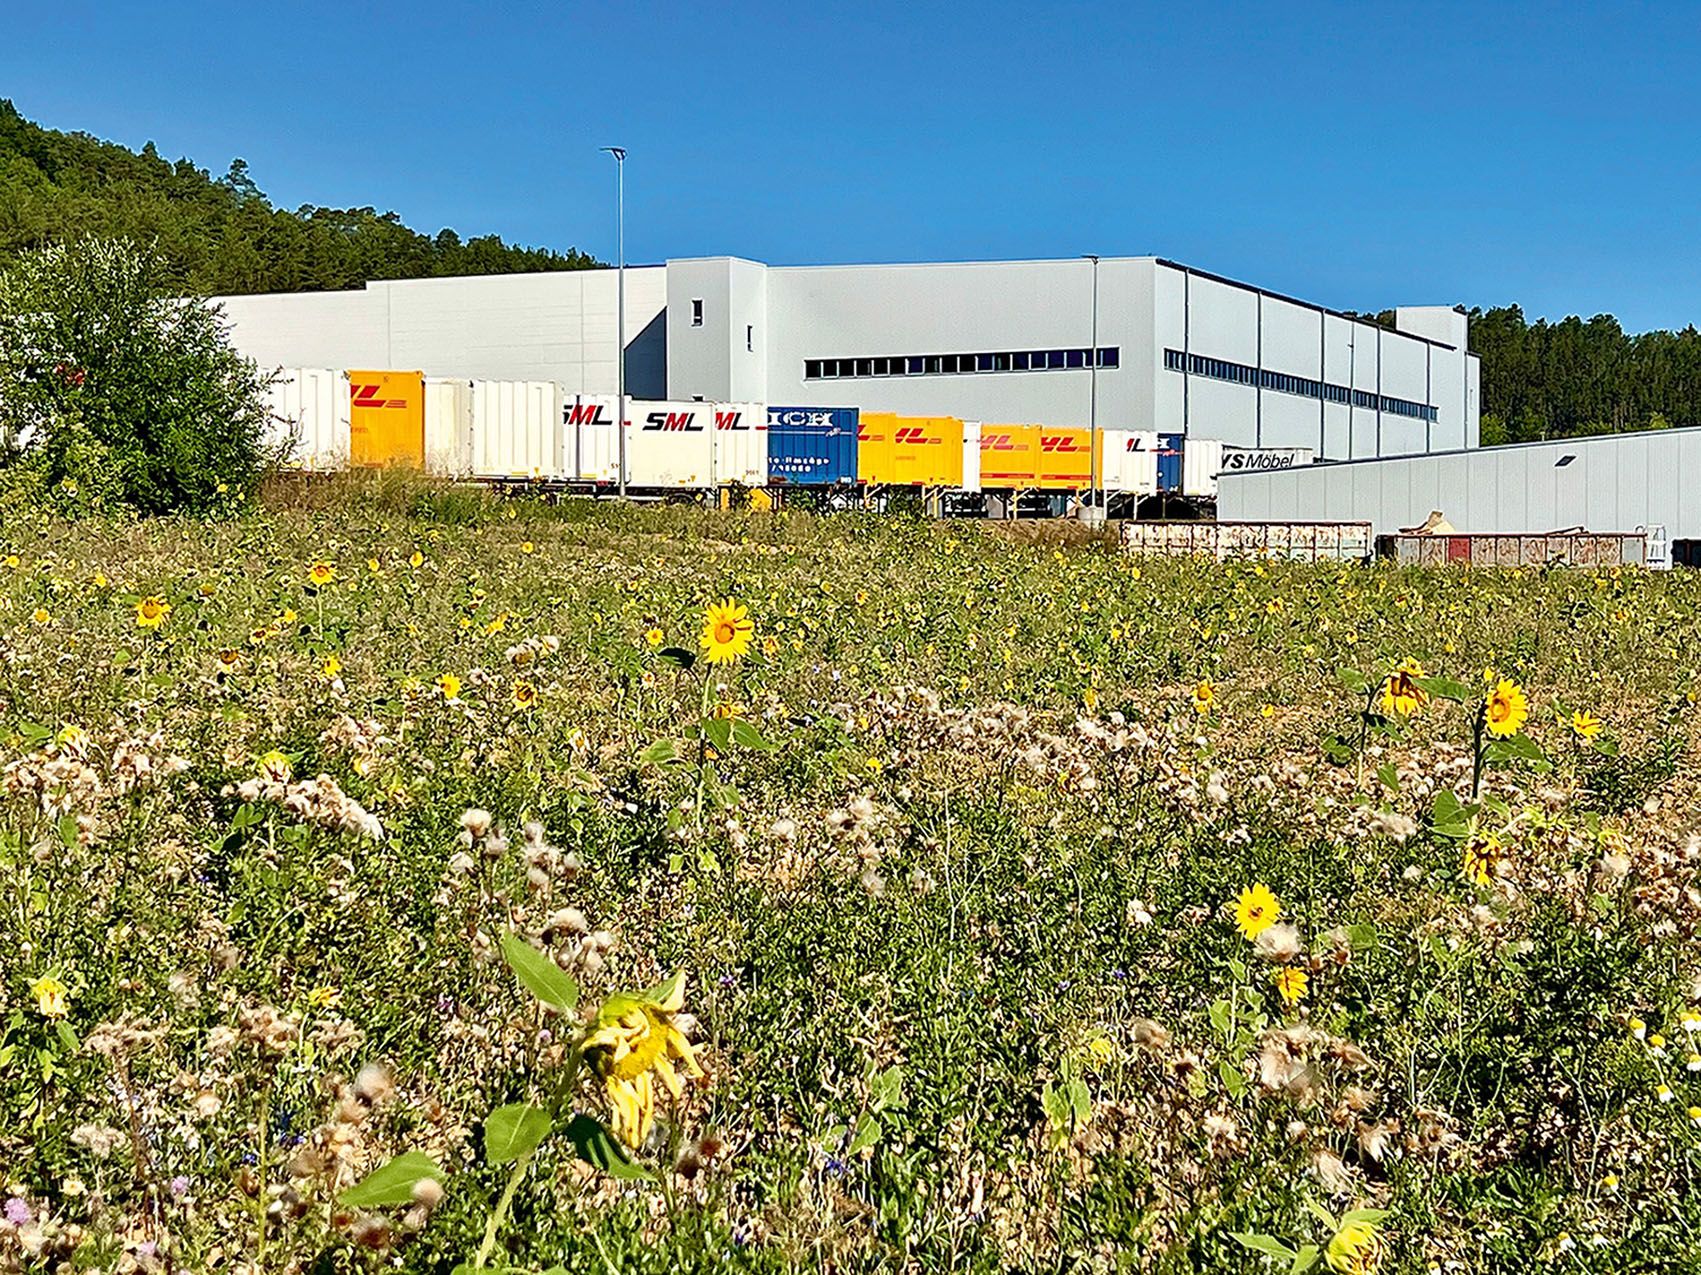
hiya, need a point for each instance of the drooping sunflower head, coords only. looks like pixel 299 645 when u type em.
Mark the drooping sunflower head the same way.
pixel 1355 1249
pixel 525 695
pixel 151 612
pixel 634 1042
pixel 1586 726
pixel 1401 695
pixel 274 766
pixel 1483 856
pixel 1290 984
pixel 727 631
pixel 1506 708
pixel 50 996
pixel 1204 695
pixel 320 574
pixel 1256 910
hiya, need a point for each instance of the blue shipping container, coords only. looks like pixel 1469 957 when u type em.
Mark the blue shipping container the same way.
pixel 812 445
pixel 1169 461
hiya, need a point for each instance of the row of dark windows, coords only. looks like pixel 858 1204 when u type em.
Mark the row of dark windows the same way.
pixel 959 364
pixel 1305 387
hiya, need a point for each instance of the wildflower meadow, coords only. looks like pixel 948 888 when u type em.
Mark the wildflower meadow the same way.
pixel 403 878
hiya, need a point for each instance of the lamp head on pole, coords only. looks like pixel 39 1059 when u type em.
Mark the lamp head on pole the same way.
pixel 619 153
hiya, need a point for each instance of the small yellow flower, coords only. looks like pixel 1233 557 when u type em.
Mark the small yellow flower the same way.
pixel 727 631
pixel 525 695
pixel 528 547
pixel 151 612
pixel 331 667
pixel 1204 696
pixel 100 579
pixel 321 997
pixel 497 625
pixel 450 687
pixel 1505 708
pixel 1256 910
pixel 12 561
pixel 373 566
pixel 416 560
pixel 1637 1028
pixel 41 615
pixel 1291 983
pixel 289 616
pixel 1586 726
pixel 1101 1049
pixel 52 998
pixel 655 638
pixel 274 766
pixel 320 574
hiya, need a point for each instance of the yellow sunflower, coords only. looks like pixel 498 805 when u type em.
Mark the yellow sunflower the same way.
pixel 42 616
pixel 320 574
pixel 655 638
pixel 1290 983
pixel 151 612
pixel 1400 692
pixel 450 687
pixel 1506 708
pixel 1256 910
pixel 632 1043
pixel 727 630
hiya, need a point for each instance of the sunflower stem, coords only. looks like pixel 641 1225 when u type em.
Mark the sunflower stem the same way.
pixel 500 1213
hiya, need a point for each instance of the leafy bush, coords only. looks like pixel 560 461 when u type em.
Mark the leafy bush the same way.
pixel 115 391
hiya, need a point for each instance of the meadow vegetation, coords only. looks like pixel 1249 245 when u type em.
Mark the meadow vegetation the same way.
pixel 396 877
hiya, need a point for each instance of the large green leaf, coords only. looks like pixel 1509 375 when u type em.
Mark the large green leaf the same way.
pixel 600 1148
pixel 747 736
pixel 513 1131
pixel 392 1184
pixel 539 975
pixel 1263 1244
pixel 1445 688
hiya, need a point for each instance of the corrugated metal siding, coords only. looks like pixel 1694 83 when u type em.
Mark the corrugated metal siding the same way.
pixel 448 426
pixel 516 429
pixel 741 444
pixel 670 445
pixel 309 411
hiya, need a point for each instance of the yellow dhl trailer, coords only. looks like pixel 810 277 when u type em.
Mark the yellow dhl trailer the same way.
pixel 1036 457
pixel 387 418
pixel 909 451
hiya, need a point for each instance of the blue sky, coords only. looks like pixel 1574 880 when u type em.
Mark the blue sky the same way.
pixel 1360 155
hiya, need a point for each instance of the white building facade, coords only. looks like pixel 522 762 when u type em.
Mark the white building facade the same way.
pixel 1179 351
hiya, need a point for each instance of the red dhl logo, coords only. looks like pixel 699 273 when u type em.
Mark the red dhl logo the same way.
pixel 1060 443
pixel 367 396
pixel 997 442
pixel 914 434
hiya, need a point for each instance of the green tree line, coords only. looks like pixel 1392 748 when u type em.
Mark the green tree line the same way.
pixel 1577 376
pixel 220 236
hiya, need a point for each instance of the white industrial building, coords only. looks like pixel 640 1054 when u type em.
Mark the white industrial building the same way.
pixel 1180 351
pixel 1602 483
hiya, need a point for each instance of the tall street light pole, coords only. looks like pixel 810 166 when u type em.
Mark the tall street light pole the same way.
pixel 1093 391
pixel 619 153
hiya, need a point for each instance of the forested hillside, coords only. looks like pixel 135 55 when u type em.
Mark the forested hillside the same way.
pixel 224 235
pixel 1551 380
